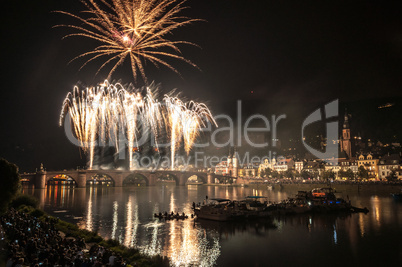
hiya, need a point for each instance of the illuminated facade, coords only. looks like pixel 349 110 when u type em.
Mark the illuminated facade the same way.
pixel 345 142
pixel 230 166
pixel 249 170
pixel 370 164
pixel 313 167
pixel 280 165
pixel 299 166
pixel 264 165
pixel 387 164
pixel 343 165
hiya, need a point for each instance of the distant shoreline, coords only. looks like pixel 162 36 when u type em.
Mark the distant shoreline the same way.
pixel 356 188
pixel 341 187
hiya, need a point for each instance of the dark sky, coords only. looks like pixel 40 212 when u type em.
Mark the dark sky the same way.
pixel 278 57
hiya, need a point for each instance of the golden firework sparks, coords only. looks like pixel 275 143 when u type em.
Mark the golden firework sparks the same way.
pixel 99 114
pixel 131 29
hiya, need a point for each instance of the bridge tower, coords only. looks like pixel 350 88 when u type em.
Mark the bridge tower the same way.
pixel 152 179
pixel 118 180
pixel 40 179
pixel 210 178
pixel 181 178
pixel 82 179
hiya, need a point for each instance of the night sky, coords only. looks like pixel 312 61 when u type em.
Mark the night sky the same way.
pixel 278 57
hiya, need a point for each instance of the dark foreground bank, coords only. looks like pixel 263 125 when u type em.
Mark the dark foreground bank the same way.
pixel 32 238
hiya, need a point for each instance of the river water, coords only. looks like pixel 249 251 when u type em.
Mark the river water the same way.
pixel 126 214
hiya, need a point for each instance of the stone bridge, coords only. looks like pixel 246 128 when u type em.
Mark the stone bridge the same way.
pixel 41 178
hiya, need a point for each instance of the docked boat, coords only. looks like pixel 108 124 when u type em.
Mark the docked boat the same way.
pixel 253 203
pixel 318 200
pixel 290 206
pixel 251 207
pixel 217 210
pixel 224 209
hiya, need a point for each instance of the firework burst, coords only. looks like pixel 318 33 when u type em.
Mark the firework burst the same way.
pixel 193 119
pixel 101 113
pixel 173 118
pixel 131 29
pixel 82 108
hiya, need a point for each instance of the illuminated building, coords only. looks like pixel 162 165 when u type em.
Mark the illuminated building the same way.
pixel 342 165
pixel 230 166
pixel 249 170
pixel 280 165
pixel 299 166
pixel 314 168
pixel 370 164
pixel 387 164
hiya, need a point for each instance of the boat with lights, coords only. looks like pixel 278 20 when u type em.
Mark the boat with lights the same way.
pixel 318 200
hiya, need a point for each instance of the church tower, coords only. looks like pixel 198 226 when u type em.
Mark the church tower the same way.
pixel 230 157
pixel 229 163
pixel 235 162
pixel 345 140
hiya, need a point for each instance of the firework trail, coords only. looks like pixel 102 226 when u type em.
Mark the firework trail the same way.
pixel 130 29
pixel 99 114
pixel 132 108
pixel 109 114
pixel 184 120
pixel 173 119
pixel 153 114
pixel 82 109
pixel 193 118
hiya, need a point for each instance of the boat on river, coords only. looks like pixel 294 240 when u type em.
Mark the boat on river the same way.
pixel 171 216
pixel 220 209
pixel 253 203
pixel 318 200
pixel 216 210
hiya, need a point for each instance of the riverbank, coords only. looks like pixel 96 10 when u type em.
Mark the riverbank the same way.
pixel 341 187
pixel 34 237
pixel 375 188
pixel 227 185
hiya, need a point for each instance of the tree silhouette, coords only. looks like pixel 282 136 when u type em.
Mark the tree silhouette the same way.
pixel 328 175
pixel 10 183
pixel 392 176
pixel 362 173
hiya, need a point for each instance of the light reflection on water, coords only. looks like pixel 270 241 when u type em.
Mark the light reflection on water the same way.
pixel 126 214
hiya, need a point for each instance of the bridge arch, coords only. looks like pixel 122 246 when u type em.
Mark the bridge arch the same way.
pixel 100 178
pixel 166 177
pixel 136 179
pixel 27 179
pixel 170 176
pixel 194 178
pixel 61 179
